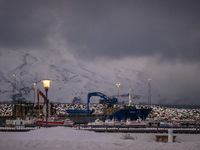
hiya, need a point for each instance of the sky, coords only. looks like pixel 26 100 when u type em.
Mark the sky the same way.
pixel 161 36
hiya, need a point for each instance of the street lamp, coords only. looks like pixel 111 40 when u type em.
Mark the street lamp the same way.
pixel 15 83
pixel 118 84
pixel 14 92
pixel 149 90
pixel 34 84
pixel 46 84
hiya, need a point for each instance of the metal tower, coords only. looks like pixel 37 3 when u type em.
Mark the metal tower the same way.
pixel 130 97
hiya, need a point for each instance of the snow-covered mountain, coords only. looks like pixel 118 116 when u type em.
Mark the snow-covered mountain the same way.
pixel 70 77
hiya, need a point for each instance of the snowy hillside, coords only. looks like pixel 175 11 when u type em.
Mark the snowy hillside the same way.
pixel 70 77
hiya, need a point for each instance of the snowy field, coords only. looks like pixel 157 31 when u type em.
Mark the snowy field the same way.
pixel 67 138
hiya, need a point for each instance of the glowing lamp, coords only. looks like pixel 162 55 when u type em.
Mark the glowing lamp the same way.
pixel 46 83
pixel 118 84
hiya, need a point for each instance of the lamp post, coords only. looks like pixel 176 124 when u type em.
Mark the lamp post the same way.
pixel 15 83
pixel 46 84
pixel 14 92
pixel 149 90
pixel 34 84
pixel 118 84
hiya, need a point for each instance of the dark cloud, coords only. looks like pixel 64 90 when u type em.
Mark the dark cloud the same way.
pixel 24 24
pixel 112 29
pixel 137 29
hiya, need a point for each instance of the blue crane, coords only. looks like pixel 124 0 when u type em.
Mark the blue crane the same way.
pixel 104 99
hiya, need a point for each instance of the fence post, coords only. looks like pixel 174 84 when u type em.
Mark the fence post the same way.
pixel 170 135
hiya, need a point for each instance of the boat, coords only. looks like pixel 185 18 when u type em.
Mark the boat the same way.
pixel 21 122
pixel 68 122
pixel 109 122
pixel 50 122
pixel 176 124
pixel 170 124
pixel 113 122
pixel 136 123
pixel 120 113
pixel 97 122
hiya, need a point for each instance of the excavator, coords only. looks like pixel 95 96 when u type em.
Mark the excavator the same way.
pixel 104 100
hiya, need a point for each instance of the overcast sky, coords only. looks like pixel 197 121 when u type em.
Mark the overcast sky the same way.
pixel 165 33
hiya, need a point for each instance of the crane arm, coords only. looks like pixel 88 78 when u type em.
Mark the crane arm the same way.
pixel 42 94
pixel 103 96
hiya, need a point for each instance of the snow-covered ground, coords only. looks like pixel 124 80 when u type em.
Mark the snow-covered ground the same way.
pixel 70 139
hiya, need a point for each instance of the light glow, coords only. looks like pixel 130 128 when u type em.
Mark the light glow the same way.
pixel 46 83
pixel 118 84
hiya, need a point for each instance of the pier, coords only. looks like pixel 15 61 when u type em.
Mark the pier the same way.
pixel 17 129
pixel 140 130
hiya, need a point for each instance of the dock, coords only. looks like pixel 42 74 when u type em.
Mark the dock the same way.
pixel 141 130
pixel 17 129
